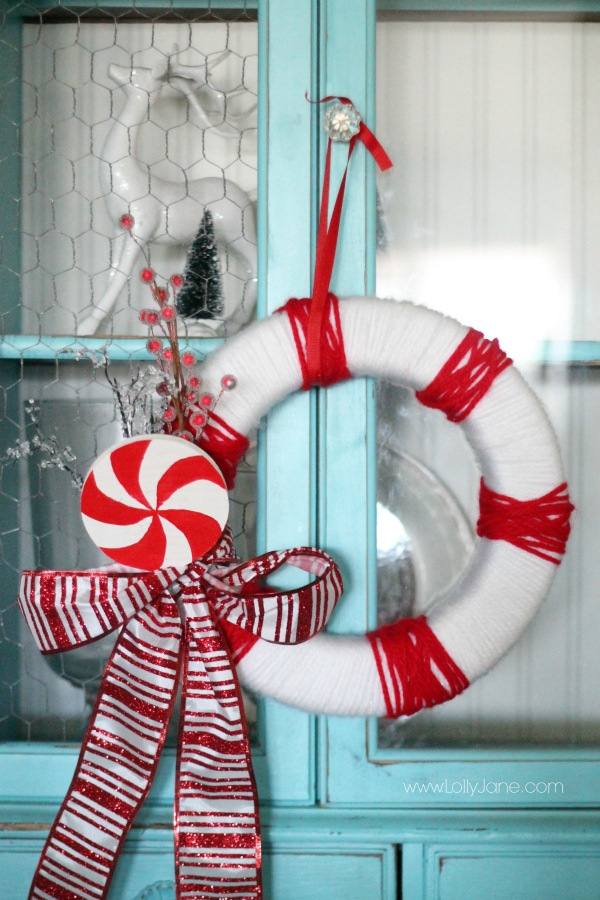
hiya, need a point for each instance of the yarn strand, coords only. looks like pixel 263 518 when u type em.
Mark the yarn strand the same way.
pixel 540 526
pixel 225 445
pixel 414 668
pixel 332 364
pixel 465 377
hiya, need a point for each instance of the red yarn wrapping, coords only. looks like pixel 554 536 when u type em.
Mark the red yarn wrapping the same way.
pixel 225 445
pixel 332 357
pixel 465 377
pixel 314 338
pixel 415 670
pixel 540 526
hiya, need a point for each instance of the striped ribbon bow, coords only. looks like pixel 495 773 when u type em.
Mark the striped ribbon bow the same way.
pixel 217 832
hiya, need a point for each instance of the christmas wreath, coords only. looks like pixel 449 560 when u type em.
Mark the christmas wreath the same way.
pixel 524 508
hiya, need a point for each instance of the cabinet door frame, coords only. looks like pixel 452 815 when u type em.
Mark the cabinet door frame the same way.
pixel 353 771
pixel 35 776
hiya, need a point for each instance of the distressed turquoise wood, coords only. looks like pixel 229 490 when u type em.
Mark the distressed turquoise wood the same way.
pixel 29 346
pixel 467 778
pixel 345 525
pixel 343 871
pixel 287 486
pixel 356 853
pixel 510 872
pixel 413 871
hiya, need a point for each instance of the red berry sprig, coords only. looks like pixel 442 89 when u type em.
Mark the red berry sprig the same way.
pixel 186 407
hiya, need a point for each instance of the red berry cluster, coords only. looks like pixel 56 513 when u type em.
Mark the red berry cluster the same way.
pixel 187 409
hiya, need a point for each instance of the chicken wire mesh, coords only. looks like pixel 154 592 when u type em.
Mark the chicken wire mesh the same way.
pixel 128 143
pixel 154 120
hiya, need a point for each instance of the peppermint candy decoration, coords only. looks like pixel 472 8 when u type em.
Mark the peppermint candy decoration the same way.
pixel 154 501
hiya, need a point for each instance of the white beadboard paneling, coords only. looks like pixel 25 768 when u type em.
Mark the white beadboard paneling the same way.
pixel 492 214
pixel 479 206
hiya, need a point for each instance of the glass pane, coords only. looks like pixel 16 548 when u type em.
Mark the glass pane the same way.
pixel 490 215
pixel 50 697
pixel 426 480
pixel 150 119
pixel 149 114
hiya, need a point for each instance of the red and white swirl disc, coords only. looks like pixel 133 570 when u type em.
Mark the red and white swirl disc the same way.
pixel 154 501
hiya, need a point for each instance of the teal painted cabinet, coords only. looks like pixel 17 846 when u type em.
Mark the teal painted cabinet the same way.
pixel 484 124
pixel 491 116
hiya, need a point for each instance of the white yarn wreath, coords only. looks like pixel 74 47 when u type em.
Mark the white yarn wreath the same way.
pixel 516 451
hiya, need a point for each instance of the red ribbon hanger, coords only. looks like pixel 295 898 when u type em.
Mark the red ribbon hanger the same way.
pixel 327 240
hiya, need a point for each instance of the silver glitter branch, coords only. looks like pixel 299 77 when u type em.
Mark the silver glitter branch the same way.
pixel 138 408
pixel 144 402
pixel 56 456
pixel 136 399
pixel 133 399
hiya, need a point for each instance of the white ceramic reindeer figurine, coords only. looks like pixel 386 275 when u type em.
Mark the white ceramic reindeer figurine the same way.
pixel 166 211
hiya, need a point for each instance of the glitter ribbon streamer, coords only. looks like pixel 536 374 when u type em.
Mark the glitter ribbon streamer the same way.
pixel 171 622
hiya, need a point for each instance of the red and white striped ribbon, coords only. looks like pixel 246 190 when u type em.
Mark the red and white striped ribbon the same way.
pixel 217 832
